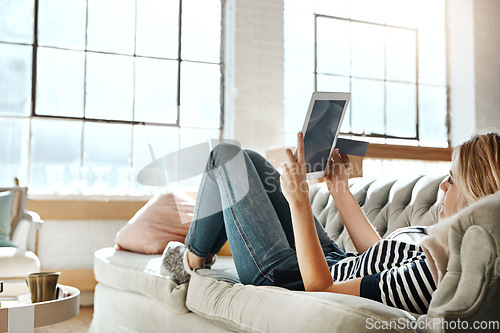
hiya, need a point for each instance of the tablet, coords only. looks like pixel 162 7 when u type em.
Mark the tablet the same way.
pixel 321 128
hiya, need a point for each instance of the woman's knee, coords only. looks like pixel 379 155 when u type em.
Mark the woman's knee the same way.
pixel 260 162
pixel 253 154
pixel 225 152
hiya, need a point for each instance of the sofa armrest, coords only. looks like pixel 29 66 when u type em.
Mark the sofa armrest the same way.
pixel 25 235
pixel 470 289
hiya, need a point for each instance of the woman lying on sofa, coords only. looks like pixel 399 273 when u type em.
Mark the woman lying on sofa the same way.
pixel 273 235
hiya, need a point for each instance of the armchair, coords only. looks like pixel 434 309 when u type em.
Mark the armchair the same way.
pixel 18 260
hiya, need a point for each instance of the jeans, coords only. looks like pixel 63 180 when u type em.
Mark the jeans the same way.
pixel 240 200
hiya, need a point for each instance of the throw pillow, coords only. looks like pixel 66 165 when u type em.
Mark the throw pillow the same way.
pixel 5 218
pixel 166 217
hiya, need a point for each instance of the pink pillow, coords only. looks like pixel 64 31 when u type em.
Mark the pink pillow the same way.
pixel 164 218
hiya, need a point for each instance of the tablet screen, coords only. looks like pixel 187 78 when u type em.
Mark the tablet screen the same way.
pixel 320 133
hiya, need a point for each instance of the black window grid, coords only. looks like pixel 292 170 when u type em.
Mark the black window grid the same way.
pixel 350 76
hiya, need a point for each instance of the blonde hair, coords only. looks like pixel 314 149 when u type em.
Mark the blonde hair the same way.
pixel 476 167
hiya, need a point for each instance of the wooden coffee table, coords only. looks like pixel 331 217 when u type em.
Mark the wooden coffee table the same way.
pixel 45 313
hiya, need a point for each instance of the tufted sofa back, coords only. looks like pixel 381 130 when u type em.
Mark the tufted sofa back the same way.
pixel 389 204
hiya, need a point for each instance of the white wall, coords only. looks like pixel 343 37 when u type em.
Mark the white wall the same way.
pixel 473 29
pixel 254 74
pixel 460 38
pixel 487 63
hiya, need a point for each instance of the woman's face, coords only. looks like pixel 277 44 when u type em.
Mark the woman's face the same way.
pixel 451 200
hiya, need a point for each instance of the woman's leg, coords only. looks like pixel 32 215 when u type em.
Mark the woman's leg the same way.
pixel 255 216
pixel 207 233
pixel 233 197
pixel 270 178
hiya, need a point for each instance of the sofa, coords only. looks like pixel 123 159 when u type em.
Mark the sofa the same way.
pixel 135 294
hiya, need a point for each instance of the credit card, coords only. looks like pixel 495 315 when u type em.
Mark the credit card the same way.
pixel 351 147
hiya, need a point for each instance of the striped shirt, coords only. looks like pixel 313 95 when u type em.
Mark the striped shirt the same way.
pixel 393 272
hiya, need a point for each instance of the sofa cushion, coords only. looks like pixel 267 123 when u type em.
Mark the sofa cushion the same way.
pixel 166 217
pixel 118 311
pixel 248 308
pixel 14 265
pixel 141 274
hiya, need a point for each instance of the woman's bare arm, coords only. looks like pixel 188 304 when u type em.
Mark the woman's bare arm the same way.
pixel 312 263
pixel 362 233
pixel 310 256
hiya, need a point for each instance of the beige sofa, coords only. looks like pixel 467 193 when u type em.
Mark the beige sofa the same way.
pixel 134 294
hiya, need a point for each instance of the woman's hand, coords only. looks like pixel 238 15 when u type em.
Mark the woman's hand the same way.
pixel 337 172
pixel 293 178
pixel 362 233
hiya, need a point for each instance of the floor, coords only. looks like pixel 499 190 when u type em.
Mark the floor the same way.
pixel 79 324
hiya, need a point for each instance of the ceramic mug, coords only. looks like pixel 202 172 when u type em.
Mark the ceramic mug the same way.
pixel 43 286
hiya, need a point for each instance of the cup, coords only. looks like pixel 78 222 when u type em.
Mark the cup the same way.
pixel 43 286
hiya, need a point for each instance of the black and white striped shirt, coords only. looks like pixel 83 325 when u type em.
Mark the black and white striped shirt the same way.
pixel 393 272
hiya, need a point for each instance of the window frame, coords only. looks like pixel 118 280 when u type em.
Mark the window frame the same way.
pixel 428 128
pixel 84 119
pixel 384 80
pixel 179 60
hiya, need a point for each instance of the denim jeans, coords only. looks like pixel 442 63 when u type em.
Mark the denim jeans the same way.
pixel 240 200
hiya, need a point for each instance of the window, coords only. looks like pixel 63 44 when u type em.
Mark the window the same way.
pixel 87 85
pixel 390 54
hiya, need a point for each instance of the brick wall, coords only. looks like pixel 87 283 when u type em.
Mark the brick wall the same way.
pixel 254 73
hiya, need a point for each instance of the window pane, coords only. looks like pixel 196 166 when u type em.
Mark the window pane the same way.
pixel 109 31
pixel 163 140
pixel 60 82
pixel 157 28
pixel 401 110
pixel 367 106
pixel 298 90
pixel 333 46
pixel 401 60
pixel 16 21
pixel 107 144
pixel 432 58
pixel 432 120
pixel 367 50
pixel 14 148
pixel 337 84
pixel 200 95
pixel 367 10
pixel 191 137
pixel 333 83
pixel 299 41
pixel 55 145
pixel 155 90
pixel 15 79
pixel 201 30
pixel 109 86
pixel 62 23
pixel 107 151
